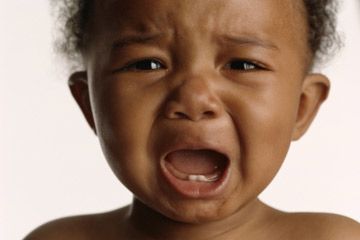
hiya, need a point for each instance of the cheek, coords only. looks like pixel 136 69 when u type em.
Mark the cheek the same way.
pixel 124 116
pixel 265 122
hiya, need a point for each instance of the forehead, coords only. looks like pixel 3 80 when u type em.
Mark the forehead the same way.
pixel 281 22
pixel 221 13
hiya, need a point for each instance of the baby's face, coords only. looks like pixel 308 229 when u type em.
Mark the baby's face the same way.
pixel 196 102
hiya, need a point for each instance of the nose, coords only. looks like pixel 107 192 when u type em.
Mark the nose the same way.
pixel 193 100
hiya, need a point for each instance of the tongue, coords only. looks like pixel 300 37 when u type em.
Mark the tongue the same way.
pixel 196 161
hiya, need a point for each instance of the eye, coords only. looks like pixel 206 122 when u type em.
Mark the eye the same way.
pixel 144 65
pixel 243 65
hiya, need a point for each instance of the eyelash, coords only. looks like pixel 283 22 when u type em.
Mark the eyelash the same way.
pixel 155 65
pixel 144 65
pixel 244 65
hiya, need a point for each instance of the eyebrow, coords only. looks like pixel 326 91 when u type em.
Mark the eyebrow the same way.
pixel 153 38
pixel 245 40
pixel 136 39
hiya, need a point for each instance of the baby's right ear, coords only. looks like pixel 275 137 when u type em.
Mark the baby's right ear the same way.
pixel 78 84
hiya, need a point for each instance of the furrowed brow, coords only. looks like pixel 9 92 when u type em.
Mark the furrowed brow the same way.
pixel 136 39
pixel 244 40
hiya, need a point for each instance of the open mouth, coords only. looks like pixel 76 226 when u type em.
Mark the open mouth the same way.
pixel 196 173
pixel 196 165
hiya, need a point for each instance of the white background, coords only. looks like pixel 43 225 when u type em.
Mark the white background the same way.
pixel 51 164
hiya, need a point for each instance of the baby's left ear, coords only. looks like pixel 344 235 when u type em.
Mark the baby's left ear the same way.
pixel 315 90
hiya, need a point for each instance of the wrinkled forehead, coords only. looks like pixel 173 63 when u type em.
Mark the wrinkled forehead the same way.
pixel 282 21
pixel 124 12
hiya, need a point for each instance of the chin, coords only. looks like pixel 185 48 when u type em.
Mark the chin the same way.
pixel 197 212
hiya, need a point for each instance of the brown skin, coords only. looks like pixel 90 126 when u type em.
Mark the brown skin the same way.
pixel 196 91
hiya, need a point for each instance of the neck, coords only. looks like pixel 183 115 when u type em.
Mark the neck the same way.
pixel 149 224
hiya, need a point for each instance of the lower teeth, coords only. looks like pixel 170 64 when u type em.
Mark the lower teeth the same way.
pixel 202 178
pixel 195 177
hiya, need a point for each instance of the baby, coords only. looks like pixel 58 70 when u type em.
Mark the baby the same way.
pixel 195 104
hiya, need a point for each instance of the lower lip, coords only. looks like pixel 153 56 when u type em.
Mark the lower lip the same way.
pixel 195 189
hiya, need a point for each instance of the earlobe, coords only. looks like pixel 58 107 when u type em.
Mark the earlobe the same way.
pixel 315 90
pixel 79 88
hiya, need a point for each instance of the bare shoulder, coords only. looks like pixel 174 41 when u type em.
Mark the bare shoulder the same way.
pixel 79 227
pixel 323 226
pixel 64 228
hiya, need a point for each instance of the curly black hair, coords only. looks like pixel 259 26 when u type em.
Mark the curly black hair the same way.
pixel 73 16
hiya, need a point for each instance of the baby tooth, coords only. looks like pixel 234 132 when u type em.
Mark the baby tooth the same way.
pixel 193 177
pixel 201 178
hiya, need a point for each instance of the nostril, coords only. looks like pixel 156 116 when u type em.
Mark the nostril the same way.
pixel 209 114
pixel 180 115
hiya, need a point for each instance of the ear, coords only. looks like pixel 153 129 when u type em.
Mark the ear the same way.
pixel 79 88
pixel 315 90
